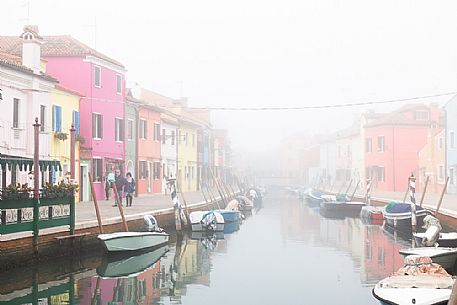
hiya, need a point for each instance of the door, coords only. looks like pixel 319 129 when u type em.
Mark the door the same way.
pixel 84 193
pixel 150 176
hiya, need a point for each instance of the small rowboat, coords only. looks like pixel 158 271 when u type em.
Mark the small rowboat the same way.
pixel 132 241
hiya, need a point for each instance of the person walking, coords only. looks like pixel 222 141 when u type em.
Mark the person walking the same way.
pixel 129 189
pixel 119 182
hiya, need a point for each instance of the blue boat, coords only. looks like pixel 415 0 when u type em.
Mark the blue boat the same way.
pixel 231 227
pixel 313 197
pixel 230 215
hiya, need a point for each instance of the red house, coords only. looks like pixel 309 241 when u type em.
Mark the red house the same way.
pixel 392 144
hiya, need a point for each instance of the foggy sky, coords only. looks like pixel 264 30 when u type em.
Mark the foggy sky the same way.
pixel 265 53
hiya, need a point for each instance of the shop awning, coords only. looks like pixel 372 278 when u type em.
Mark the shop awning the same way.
pixel 26 164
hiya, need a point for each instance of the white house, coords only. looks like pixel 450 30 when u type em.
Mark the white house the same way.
pixel 25 95
pixel 168 148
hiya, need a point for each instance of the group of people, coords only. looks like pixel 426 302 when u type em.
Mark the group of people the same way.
pixel 125 187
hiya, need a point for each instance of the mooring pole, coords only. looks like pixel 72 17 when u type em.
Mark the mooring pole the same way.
pixel 36 184
pixel 176 203
pixel 424 190
pixel 97 210
pixel 368 194
pixel 412 187
pixel 119 206
pixel 355 190
pixel 441 196
pixel 349 186
pixel 186 214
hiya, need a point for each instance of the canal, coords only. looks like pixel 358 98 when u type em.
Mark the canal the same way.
pixel 286 253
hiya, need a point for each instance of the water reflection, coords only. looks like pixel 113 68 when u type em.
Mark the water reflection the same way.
pixel 290 252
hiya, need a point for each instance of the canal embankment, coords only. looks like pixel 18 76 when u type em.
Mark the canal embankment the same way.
pixel 17 250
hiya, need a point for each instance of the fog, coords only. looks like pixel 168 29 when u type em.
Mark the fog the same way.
pixel 266 53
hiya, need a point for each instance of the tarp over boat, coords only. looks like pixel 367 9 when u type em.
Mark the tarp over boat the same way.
pixel 401 207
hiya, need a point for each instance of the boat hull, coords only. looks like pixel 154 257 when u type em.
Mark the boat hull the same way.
pixel 200 227
pixel 397 296
pixel 230 216
pixel 402 221
pixel 132 241
pixel 448 240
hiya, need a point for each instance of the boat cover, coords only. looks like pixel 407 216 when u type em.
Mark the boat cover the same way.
pixel 400 207
pixel 421 265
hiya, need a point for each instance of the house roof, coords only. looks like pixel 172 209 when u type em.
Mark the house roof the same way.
pixel 62 88
pixel 15 62
pixel 396 117
pixel 55 46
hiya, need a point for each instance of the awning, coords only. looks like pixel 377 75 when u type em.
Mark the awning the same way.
pixel 26 164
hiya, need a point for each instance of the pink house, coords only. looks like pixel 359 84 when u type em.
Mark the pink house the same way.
pixel 392 143
pixel 100 79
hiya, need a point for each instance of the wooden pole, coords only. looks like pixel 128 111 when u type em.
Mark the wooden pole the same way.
pixel 349 186
pixel 442 195
pixel 214 197
pixel 423 192
pixel 97 210
pixel 217 187
pixel 72 153
pixel 225 189
pixel 412 186
pixel 119 206
pixel 36 184
pixel 406 193
pixel 186 214
pixel 355 190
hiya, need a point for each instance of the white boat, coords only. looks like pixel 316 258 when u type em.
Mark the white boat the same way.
pixel 132 241
pixel 206 221
pixel 444 239
pixel 419 282
pixel 446 257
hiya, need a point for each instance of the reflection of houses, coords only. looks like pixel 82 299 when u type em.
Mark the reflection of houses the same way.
pixel 349 155
pixel 380 255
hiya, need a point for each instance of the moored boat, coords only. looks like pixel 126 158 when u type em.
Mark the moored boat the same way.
pixel 132 241
pixel 444 240
pixel 372 214
pixel 419 282
pixel 398 215
pixel 446 257
pixel 230 215
pixel 313 197
pixel 206 221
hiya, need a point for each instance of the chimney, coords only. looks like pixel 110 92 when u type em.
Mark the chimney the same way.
pixel 31 48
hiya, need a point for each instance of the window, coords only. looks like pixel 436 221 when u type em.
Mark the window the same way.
pixel 143 169
pixel 16 110
pixel 421 115
pixel 118 84
pixel 368 145
pixel 192 175
pixel 97 170
pixel 172 137
pixel 193 140
pixel 179 137
pixel 441 143
pixel 42 118
pixel 130 130
pixel 56 118
pixel 76 122
pixel 380 143
pixel 143 129
pixel 119 129
pixel 156 168
pixel 156 132
pixel 97 77
pixel 187 136
pixel 381 174
pixel 451 139
pixel 97 126
pixel 163 136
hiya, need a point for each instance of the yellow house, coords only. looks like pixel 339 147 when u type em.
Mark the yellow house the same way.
pixel 187 154
pixel 64 112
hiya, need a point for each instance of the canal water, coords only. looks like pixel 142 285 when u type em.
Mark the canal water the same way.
pixel 286 253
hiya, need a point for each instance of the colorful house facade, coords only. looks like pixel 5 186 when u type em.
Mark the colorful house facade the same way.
pixel 450 109
pixel 63 114
pixel 131 137
pixel 187 154
pixel 100 80
pixel 392 143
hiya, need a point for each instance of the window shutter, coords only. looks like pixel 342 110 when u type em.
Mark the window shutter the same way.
pixel 122 131
pixel 58 118
pixel 76 122
pixel 100 121
pixel 93 126
pixel 53 118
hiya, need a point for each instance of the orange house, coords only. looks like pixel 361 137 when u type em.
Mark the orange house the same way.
pixel 149 158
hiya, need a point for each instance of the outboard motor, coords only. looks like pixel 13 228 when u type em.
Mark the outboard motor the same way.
pixel 151 224
pixel 209 221
pixel 432 233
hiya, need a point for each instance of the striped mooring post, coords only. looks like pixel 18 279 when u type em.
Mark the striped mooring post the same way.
pixel 412 196
pixel 176 204
pixel 368 194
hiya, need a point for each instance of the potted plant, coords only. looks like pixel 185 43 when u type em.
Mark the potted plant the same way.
pixel 16 191
pixel 50 190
